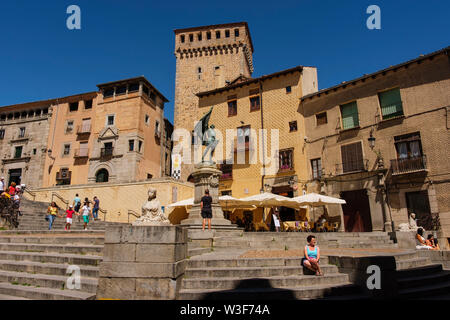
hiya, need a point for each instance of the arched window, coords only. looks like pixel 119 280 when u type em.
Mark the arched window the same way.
pixel 102 175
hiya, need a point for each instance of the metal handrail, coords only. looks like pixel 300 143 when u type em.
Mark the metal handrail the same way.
pixel 133 213
pixel 60 198
pixel 104 213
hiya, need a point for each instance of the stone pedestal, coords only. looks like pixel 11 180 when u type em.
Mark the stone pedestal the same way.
pixel 206 176
pixel 142 263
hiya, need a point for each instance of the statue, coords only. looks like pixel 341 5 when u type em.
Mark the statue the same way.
pixel 411 226
pixel 207 135
pixel 151 212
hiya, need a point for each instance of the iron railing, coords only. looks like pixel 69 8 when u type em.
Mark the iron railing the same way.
pixel 81 153
pixel 106 152
pixel 352 166
pixel 408 165
pixel 84 129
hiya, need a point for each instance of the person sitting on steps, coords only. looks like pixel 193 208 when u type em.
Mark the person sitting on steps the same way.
pixel 420 241
pixel 312 256
pixel 432 242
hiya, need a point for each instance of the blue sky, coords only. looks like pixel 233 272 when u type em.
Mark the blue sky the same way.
pixel 41 59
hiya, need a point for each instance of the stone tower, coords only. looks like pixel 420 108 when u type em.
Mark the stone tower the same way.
pixel 208 57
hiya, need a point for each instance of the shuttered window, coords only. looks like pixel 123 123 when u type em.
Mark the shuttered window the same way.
pixel 232 108
pixel 349 113
pixel 391 104
pixel 352 157
pixel 316 165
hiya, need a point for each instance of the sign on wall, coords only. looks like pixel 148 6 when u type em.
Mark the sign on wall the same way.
pixel 176 166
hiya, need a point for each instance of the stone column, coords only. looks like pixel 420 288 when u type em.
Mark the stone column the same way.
pixel 142 262
pixel 206 176
pixel 376 211
pixel 387 216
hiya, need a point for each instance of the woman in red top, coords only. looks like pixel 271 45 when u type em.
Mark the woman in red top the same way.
pixel 12 189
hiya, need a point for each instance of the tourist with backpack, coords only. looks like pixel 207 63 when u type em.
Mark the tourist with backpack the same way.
pixel 86 212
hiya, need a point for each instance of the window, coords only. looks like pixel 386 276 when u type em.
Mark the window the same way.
pixel 243 134
pixel 226 193
pixel 66 150
pixel 34 151
pixel 191 37
pixel 22 132
pixel 152 96
pixel 217 34
pixel 130 145
pixel 352 157
pixel 107 93
pixel 349 114
pixel 408 146
pixel 107 149
pixel 199 36
pixel 236 32
pixel 227 33
pixel 2 134
pixel 145 90
pixel 88 104
pixel 286 159
pixel 292 126
pixel 73 106
pixel 182 38
pixel 133 87
pixel 208 35
pixel 391 104
pixel 316 166
pixel 288 89
pixel 321 118
pixel 63 177
pixel 254 103
pixel 199 73
pixel 121 90
pixel 140 146
pixel 149 176
pixel 84 150
pixel 227 171
pixel 18 152
pixel 147 119
pixel 110 120
pixel 232 106
pixel 69 126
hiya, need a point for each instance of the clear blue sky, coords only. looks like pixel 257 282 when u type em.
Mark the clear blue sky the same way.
pixel 41 59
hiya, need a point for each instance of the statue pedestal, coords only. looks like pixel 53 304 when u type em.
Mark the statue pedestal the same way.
pixel 206 176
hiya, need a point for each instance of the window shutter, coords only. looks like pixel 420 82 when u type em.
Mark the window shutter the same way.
pixel 391 103
pixel 352 159
pixel 350 115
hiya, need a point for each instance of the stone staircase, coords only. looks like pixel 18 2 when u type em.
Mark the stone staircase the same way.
pixel 33 218
pixel 33 265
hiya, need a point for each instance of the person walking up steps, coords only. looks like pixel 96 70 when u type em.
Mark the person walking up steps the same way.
pixel 96 208
pixel 86 211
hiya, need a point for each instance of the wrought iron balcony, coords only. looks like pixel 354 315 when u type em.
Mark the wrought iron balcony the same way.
pixel 352 166
pixel 63 175
pixel 106 152
pixel 408 165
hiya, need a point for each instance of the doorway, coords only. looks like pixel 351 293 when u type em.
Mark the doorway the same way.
pixel 15 175
pixel 286 214
pixel 356 211
pixel 418 203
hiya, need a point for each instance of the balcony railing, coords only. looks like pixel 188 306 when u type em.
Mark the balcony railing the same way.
pixel 84 129
pixel 61 175
pixel 408 165
pixel 106 152
pixel 352 166
pixel 81 153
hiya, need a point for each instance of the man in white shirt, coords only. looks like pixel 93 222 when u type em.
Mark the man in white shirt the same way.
pixel 2 184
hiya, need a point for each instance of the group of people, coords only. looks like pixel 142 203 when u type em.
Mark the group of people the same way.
pixel 76 208
pixel 13 192
pixel 431 243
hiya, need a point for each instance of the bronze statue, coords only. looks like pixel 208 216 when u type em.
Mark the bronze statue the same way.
pixel 207 134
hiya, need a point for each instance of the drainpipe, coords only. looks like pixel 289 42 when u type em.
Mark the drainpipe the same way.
pixel 262 140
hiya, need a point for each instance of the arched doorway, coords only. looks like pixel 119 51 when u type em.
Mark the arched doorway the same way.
pixel 102 175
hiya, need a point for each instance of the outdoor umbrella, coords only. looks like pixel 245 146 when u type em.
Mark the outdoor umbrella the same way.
pixel 227 201
pixel 317 200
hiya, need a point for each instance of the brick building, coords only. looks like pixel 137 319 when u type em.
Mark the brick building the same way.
pixel 381 143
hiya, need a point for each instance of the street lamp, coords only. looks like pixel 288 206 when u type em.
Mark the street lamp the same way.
pixel 371 140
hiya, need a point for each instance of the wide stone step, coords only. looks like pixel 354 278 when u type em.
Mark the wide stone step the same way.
pixel 42 257
pixel 52 248
pixel 269 293
pixel 40 293
pixel 68 239
pixel 8 297
pixel 197 251
pixel 412 263
pixel 249 262
pixel 276 282
pixel 46 268
pixel 252 272
pixel 424 280
pixel 435 289
pixel 47 281
pixel 421 271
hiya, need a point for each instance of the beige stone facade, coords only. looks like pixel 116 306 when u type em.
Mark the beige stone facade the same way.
pixel 406 109
pixel 23 142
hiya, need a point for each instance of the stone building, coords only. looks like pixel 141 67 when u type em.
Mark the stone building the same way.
pixel 116 134
pixel 207 58
pixel 240 111
pixel 381 142
pixel 23 142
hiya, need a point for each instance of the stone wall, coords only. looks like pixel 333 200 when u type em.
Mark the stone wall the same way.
pixel 118 199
